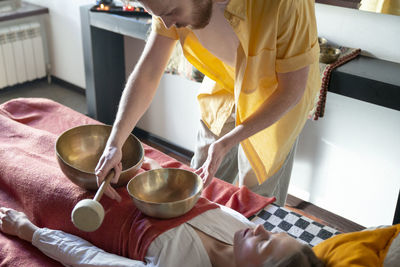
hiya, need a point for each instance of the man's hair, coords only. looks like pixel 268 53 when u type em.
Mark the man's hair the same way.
pixel 305 257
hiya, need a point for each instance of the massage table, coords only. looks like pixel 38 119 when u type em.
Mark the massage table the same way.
pixel 31 181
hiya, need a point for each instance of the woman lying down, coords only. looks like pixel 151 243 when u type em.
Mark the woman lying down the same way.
pixel 217 237
pixel 208 240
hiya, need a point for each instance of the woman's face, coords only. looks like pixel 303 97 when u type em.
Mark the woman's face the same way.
pixel 252 247
pixel 195 14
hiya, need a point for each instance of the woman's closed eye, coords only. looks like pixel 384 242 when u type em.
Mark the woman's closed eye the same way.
pixel 264 245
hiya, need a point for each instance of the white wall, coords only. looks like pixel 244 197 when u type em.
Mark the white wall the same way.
pixel 64 38
pixel 174 114
pixel 348 162
pixel 378 35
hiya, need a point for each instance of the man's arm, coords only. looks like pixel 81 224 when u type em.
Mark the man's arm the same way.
pixel 141 86
pixel 291 87
pixel 136 98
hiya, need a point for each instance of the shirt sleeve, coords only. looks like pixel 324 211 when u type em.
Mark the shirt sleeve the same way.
pixel 297 37
pixel 71 250
pixel 158 26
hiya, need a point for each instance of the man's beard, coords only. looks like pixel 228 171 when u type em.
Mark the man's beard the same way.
pixel 201 14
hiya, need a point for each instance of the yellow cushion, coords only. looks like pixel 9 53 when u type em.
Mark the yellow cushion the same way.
pixel 366 248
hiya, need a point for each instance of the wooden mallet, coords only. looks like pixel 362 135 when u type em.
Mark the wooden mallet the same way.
pixel 88 214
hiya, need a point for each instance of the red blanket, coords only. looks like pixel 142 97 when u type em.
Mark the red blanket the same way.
pixel 31 181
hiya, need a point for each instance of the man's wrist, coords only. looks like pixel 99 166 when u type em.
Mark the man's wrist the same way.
pixel 115 139
pixel 232 138
pixel 114 143
pixel 226 143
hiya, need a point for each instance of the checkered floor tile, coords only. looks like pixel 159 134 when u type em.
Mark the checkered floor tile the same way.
pixel 305 230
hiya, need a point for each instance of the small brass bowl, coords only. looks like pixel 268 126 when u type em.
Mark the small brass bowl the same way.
pixel 80 148
pixel 165 193
pixel 322 41
pixel 329 54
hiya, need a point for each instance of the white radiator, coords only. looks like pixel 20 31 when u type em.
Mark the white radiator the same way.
pixel 21 54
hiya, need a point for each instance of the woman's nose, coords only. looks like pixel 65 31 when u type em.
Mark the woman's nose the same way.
pixel 260 230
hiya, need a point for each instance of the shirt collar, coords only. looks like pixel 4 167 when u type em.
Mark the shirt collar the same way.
pixel 237 8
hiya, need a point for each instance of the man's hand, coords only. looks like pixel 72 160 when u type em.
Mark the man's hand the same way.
pixel 150 164
pixel 216 153
pixel 110 159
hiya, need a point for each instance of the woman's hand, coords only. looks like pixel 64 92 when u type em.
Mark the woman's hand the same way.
pixel 110 159
pixel 216 153
pixel 16 223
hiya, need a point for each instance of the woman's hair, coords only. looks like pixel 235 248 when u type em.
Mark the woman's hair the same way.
pixel 305 257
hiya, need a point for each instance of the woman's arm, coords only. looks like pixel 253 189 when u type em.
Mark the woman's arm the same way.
pixel 65 248
pixel 71 250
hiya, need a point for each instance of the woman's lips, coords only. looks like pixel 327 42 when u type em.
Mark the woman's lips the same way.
pixel 245 232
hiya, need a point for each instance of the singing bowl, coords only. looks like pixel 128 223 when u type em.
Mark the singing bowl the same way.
pixel 165 193
pixel 322 41
pixel 328 54
pixel 79 149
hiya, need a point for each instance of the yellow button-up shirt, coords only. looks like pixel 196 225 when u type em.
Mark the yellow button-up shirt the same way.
pixel 275 36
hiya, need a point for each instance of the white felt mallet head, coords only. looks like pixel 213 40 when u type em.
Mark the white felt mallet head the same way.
pixel 88 214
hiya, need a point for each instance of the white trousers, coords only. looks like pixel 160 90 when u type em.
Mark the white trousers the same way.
pixel 236 169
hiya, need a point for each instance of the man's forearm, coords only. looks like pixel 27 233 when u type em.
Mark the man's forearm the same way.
pixel 288 94
pixel 135 100
pixel 141 87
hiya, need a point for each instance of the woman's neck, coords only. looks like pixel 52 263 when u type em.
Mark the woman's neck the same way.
pixel 220 253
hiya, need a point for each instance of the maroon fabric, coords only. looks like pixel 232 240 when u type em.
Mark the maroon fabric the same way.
pixel 31 181
pixel 240 199
pixel 143 229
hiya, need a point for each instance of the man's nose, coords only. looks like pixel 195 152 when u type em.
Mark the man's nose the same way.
pixel 168 22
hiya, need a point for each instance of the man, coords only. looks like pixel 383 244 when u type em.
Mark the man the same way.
pixel 261 62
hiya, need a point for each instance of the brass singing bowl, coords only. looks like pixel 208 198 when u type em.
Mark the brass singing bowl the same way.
pixel 165 193
pixel 322 41
pixel 329 54
pixel 80 148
